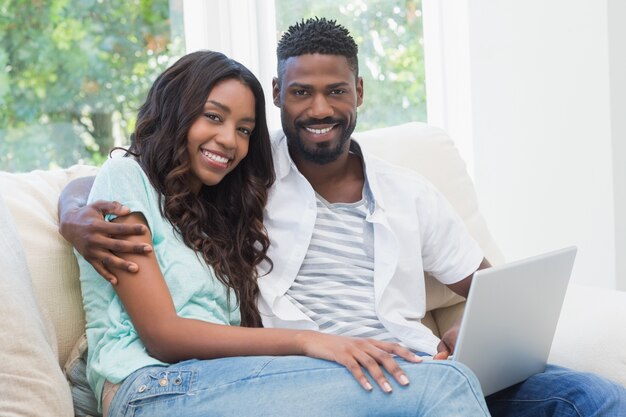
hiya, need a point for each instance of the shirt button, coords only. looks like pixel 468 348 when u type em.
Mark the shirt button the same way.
pixel 142 388
pixel 178 380
pixel 163 382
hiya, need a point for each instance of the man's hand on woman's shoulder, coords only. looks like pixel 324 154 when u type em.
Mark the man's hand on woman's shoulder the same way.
pixel 98 240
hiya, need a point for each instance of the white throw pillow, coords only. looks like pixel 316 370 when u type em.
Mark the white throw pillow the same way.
pixel 32 199
pixel 31 381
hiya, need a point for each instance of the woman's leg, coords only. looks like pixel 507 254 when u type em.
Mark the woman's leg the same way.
pixel 294 386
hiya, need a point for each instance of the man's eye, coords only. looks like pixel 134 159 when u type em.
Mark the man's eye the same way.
pixel 301 92
pixel 338 92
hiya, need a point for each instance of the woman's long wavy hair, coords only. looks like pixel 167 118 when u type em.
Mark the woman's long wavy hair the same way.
pixel 225 221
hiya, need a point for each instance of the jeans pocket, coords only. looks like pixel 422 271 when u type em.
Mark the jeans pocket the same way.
pixel 156 385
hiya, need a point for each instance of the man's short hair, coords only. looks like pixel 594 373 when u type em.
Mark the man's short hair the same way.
pixel 317 36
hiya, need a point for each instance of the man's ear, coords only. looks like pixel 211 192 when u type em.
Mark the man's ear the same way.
pixel 276 92
pixel 359 91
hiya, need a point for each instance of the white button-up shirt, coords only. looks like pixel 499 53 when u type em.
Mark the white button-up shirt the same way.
pixel 415 230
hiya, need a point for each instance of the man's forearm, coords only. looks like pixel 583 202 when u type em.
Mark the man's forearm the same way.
pixel 74 195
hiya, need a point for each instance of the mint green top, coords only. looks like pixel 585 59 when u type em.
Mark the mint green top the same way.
pixel 115 350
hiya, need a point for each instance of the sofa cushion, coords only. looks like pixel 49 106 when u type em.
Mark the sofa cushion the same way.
pixel 31 381
pixel 32 200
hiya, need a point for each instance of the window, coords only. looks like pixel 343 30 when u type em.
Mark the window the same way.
pixel 391 57
pixel 74 74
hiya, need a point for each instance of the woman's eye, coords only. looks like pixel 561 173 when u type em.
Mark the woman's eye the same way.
pixel 246 131
pixel 213 117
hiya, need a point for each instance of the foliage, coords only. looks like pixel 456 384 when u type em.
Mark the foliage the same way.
pixel 74 73
pixel 391 59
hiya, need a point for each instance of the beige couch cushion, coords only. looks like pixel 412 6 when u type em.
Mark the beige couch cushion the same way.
pixel 31 382
pixel 32 200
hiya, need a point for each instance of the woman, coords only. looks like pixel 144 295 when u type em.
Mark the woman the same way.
pixel 183 334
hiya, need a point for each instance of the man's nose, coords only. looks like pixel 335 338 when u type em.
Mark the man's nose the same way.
pixel 320 107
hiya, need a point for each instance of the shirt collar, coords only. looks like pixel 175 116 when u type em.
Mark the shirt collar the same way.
pixel 283 164
pixel 282 160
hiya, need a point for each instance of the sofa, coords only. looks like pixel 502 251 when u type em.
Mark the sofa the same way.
pixel 41 340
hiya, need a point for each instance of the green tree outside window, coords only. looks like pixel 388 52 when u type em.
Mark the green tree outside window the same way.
pixel 73 74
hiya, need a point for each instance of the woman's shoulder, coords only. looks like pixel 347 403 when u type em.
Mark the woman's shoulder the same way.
pixel 123 163
pixel 122 178
pixel 123 167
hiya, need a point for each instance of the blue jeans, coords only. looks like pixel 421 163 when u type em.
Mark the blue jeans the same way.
pixel 293 386
pixel 560 392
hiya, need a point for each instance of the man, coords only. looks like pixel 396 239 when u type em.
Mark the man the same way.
pixel 351 236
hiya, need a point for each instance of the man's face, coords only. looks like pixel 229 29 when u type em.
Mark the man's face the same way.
pixel 318 97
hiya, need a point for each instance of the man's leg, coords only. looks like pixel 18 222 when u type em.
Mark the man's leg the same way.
pixel 560 392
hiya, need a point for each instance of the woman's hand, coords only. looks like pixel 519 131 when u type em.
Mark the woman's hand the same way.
pixel 355 354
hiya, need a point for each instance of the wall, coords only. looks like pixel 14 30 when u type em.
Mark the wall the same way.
pixel 543 122
pixel 617 62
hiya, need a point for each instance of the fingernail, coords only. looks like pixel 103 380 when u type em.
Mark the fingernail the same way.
pixel 133 268
pixel 386 387
pixel 369 386
pixel 147 248
pixel 404 380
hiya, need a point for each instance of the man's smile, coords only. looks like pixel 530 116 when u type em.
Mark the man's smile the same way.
pixel 320 131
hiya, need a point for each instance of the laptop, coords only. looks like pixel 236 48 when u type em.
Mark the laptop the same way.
pixel 510 318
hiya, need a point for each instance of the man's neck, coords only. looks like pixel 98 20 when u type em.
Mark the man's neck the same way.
pixel 340 181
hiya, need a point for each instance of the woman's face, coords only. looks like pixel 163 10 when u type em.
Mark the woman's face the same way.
pixel 218 139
